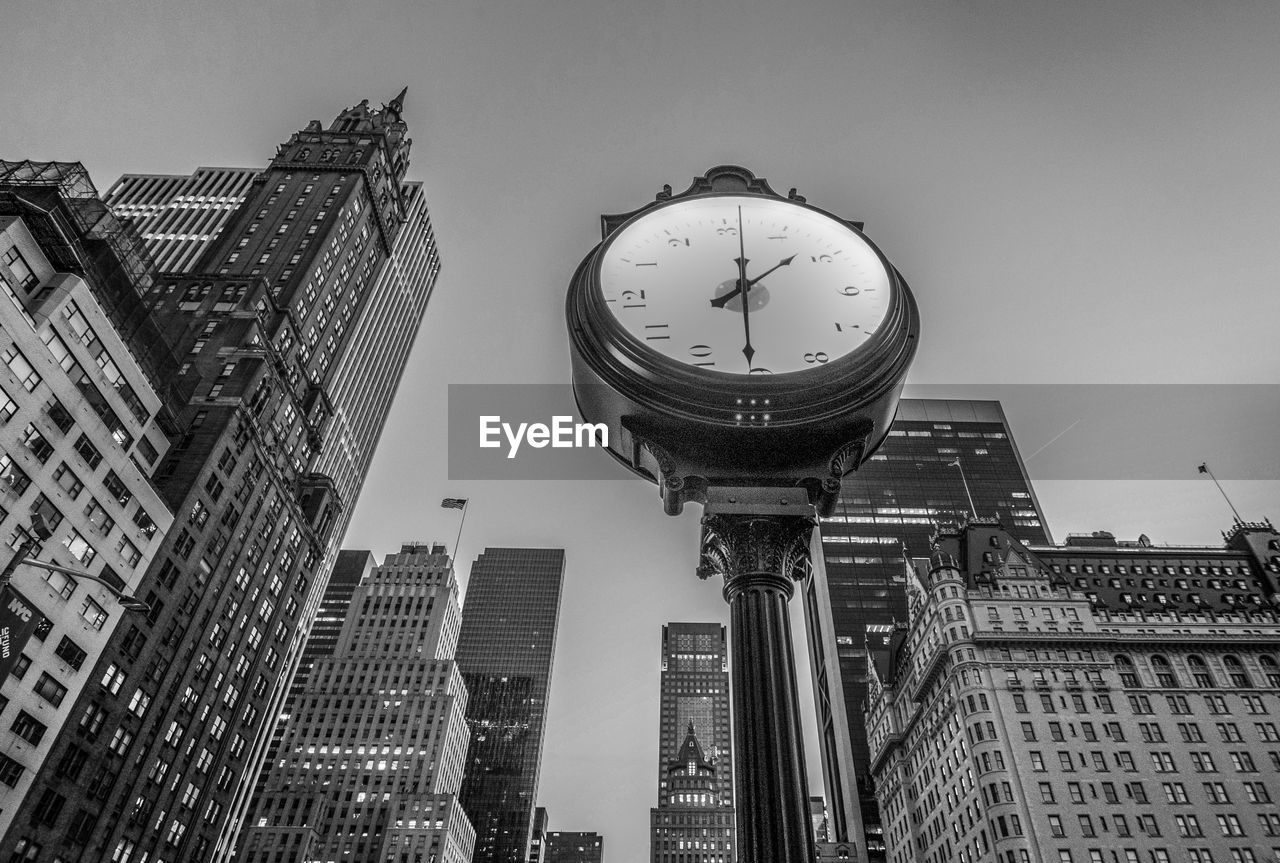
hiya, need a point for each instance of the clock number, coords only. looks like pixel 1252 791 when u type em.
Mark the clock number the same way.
pixel 850 291
pixel 683 241
pixel 646 263
pixel 841 328
pixel 653 332
pixel 778 237
pixel 633 299
pixel 819 357
pixel 761 371
pixel 820 259
pixel 701 352
pixel 727 231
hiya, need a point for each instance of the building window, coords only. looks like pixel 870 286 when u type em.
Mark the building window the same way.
pixel 70 653
pixel 88 452
pixel 118 489
pixel 17 265
pixel 68 481
pixel 50 690
pixel 93 613
pixel 10 771
pixel 79 547
pixel 1236 674
pixel 28 727
pixel 36 443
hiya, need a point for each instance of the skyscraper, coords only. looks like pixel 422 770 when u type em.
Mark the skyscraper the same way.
pixel 372 756
pixel 349 570
pixel 694 700
pixel 691 824
pixel 83 422
pixel 1095 701
pixel 505 652
pixel 894 502
pixel 265 326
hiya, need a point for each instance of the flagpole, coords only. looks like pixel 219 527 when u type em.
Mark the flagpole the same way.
pixel 458 538
pixel 1204 468
pixel 973 510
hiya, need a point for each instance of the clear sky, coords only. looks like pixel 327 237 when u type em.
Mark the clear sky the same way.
pixel 1078 193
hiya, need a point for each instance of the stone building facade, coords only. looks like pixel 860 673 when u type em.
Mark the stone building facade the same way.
pixel 1025 714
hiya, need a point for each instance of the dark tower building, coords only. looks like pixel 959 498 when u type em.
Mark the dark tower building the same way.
pixel 694 694
pixel 267 323
pixel 691 823
pixel 505 651
pixel 894 502
pixel 565 846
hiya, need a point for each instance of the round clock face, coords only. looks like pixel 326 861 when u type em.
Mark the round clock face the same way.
pixel 745 285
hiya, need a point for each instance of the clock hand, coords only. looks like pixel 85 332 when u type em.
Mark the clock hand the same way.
pixel 747 350
pixel 719 302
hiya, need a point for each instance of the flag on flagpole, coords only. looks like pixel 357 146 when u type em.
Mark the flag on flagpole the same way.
pixel 454 503
pixel 1204 468
pixel 955 463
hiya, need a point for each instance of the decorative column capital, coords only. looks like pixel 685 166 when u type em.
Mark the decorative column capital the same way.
pixel 755 551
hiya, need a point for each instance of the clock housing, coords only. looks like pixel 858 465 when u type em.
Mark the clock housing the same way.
pixel 712 414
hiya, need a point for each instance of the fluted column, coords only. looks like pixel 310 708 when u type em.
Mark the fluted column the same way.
pixel 759 557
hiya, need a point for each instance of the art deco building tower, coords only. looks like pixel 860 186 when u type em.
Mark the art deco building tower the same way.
pixel 694 694
pixel 372 756
pixel 508 641
pixel 267 324
pixel 894 502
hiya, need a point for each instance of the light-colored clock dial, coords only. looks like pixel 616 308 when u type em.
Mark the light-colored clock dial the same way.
pixel 815 289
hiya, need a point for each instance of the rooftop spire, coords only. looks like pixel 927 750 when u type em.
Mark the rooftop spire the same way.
pixel 396 105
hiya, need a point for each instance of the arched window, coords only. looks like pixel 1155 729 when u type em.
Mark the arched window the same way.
pixel 1235 671
pixel 1271 669
pixel 1164 674
pixel 1128 674
pixel 303 155
pixel 1200 673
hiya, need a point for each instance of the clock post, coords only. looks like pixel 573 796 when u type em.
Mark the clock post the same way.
pixel 752 389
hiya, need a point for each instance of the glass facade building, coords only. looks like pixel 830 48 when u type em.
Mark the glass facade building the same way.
pixel 505 651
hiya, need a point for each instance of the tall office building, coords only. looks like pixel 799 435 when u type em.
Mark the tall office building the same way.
pixel 694 700
pixel 892 503
pixel 574 847
pixel 179 215
pixel 349 570
pixel 264 324
pixel 505 652
pixel 83 423
pixel 373 754
pixel 691 823
pixel 1095 702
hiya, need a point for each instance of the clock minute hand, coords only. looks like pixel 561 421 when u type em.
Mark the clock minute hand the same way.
pixel 719 302
pixel 747 350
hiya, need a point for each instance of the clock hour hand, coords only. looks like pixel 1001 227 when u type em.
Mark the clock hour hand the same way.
pixel 719 302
